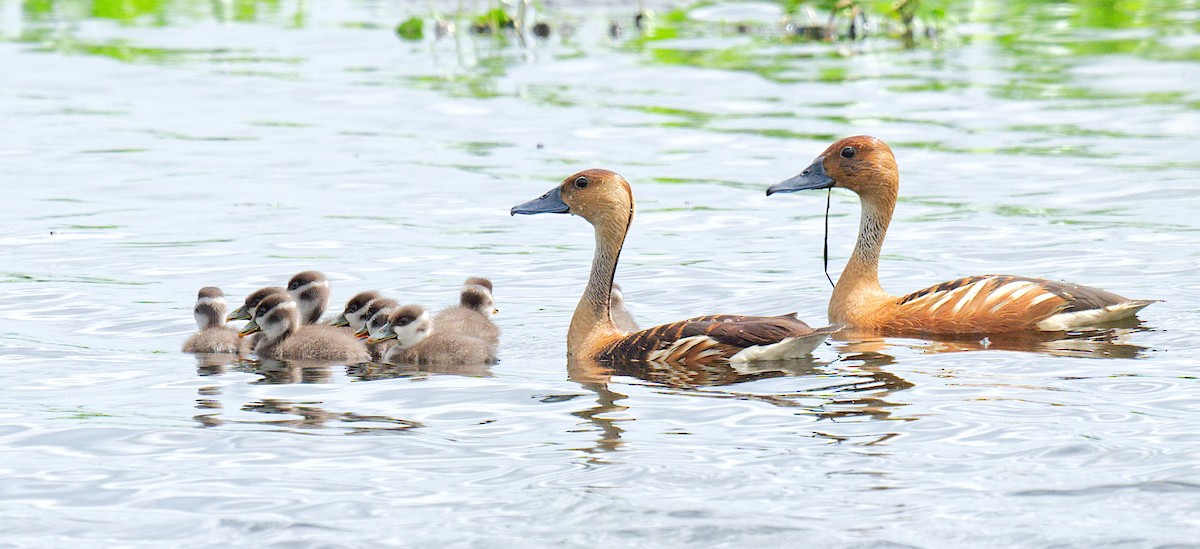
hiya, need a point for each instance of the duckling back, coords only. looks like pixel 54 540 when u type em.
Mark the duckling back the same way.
pixel 472 316
pixel 317 342
pixel 444 348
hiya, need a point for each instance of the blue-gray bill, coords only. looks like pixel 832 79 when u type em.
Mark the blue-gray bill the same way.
pixel 551 202
pixel 813 177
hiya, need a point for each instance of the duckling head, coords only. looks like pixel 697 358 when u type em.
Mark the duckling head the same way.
pixel 408 325
pixel 354 314
pixel 617 297
pixel 310 290
pixel 861 163
pixel 276 316
pixel 480 281
pixel 376 316
pixel 210 308
pixel 247 309
pixel 602 197
pixel 478 298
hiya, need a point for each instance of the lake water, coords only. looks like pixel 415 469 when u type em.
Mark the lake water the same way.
pixel 153 148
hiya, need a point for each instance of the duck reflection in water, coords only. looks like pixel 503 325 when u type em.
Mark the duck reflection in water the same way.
pixel 1105 342
pixel 306 415
pixel 859 392
pixel 374 371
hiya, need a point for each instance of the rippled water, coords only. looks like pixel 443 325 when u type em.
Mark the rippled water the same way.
pixel 147 154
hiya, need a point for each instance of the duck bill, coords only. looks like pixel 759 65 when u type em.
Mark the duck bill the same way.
pixel 551 202
pixel 813 177
pixel 239 313
pixel 382 338
pixel 362 333
pixel 248 329
pixel 340 321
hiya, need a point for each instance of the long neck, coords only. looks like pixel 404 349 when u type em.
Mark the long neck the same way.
pixel 592 314
pixel 859 281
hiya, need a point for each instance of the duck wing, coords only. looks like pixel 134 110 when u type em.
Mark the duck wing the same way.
pixel 1003 303
pixel 715 338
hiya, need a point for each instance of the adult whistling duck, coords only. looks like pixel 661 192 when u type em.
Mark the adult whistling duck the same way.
pixel 605 200
pixel 971 305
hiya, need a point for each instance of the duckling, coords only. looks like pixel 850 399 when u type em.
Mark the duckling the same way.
pixel 605 200
pixel 417 342
pixel 354 315
pixel 376 316
pixel 247 309
pixel 310 290
pixel 214 336
pixel 285 337
pixel 971 305
pixel 620 315
pixel 473 314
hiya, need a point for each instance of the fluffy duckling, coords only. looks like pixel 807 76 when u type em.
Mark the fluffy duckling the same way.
pixel 376 316
pixel 473 314
pixel 247 309
pixel 214 336
pixel 310 290
pixel 285 337
pixel 605 200
pixel 620 315
pixel 354 314
pixel 971 305
pixel 417 342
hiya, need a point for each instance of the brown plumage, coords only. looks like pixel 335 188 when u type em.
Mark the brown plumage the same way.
pixel 621 316
pixel 977 304
pixel 375 317
pixel 310 290
pixel 418 340
pixel 473 314
pixel 354 313
pixel 213 335
pixel 285 337
pixel 605 200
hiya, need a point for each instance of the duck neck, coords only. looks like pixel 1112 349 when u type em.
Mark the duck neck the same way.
pixel 859 281
pixel 592 315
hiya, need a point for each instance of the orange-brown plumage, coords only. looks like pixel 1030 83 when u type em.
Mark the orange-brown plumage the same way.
pixel 605 200
pixel 977 304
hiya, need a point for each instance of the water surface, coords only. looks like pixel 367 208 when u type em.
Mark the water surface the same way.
pixel 154 148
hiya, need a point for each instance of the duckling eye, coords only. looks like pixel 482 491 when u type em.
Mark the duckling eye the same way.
pixel 848 152
pixel 402 322
pixel 581 182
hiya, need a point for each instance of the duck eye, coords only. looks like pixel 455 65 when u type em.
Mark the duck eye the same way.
pixel 848 152
pixel 581 182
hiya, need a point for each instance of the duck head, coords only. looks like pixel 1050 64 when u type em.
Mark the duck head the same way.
pixel 210 308
pixel 354 314
pixel 247 309
pixel 599 196
pixel 861 163
pixel 408 325
pixel 478 298
pixel 310 290
pixel 376 316
pixel 276 316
